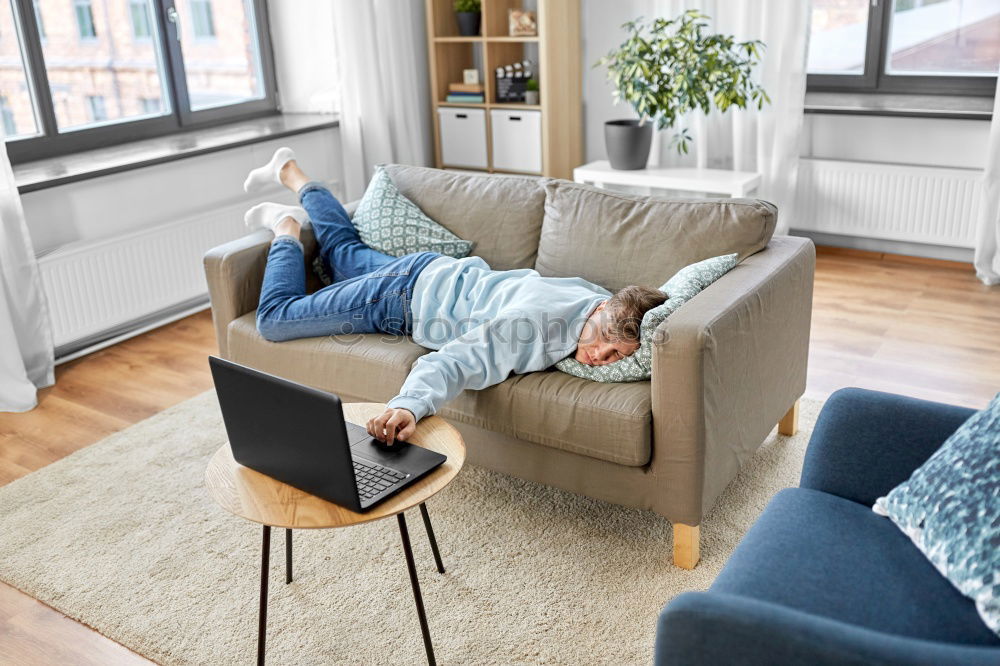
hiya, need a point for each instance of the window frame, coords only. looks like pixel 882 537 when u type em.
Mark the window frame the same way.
pixel 37 17
pixel 50 143
pixel 875 80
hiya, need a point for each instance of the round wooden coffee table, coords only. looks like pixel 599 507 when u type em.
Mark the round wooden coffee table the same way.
pixel 261 499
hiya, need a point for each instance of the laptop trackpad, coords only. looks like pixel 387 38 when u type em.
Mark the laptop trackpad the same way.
pixel 403 456
pixel 396 457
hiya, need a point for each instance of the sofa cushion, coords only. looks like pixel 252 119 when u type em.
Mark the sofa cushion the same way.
pixel 366 367
pixel 389 222
pixel 825 555
pixel 501 215
pixel 606 421
pixel 617 239
pixel 687 283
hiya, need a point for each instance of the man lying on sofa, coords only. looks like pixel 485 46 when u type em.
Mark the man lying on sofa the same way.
pixel 484 324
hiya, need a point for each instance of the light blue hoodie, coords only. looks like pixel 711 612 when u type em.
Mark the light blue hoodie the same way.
pixel 486 324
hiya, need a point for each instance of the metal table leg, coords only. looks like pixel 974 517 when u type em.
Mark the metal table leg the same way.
pixel 404 534
pixel 430 535
pixel 288 556
pixel 264 564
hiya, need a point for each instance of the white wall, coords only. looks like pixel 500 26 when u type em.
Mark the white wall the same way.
pixel 97 208
pixel 600 27
pixel 899 140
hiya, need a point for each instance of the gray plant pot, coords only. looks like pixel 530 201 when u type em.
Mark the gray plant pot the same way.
pixel 531 97
pixel 628 143
pixel 468 23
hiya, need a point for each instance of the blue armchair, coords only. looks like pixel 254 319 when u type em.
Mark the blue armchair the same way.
pixel 820 579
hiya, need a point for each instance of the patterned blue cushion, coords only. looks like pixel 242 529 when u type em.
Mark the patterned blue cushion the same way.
pixel 389 222
pixel 683 286
pixel 950 508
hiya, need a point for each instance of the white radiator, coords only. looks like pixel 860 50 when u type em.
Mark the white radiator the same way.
pixel 102 286
pixel 938 206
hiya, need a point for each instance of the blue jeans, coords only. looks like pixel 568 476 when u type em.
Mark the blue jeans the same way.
pixel 371 292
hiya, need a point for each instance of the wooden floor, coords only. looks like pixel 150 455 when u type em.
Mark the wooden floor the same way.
pixel 924 329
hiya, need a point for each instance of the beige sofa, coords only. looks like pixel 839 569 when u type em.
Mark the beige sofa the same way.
pixel 728 365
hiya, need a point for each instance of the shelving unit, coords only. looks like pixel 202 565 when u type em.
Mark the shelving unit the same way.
pixel 556 52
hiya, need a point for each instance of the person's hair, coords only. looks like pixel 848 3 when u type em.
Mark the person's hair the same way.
pixel 626 308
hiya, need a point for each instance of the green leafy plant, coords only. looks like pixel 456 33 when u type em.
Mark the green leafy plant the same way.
pixel 467 5
pixel 669 67
pixel 532 84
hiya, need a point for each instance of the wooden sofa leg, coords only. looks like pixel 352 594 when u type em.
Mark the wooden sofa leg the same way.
pixel 686 545
pixel 789 423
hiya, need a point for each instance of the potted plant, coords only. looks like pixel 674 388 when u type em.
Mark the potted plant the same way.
pixel 531 91
pixel 468 14
pixel 669 67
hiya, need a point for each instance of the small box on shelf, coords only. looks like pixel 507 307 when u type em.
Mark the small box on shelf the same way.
pixel 517 140
pixel 512 81
pixel 463 137
pixel 521 23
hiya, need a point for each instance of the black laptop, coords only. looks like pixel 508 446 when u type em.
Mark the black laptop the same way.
pixel 297 435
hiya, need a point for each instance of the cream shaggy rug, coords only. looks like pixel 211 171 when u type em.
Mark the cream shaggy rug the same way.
pixel 123 537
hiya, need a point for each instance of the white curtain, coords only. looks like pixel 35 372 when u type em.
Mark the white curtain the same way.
pixel 765 141
pixel 987 259
pixel 26 354
pixel 381 50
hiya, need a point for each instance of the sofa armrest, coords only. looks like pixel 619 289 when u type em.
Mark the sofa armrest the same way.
pixel 714 628
pixel 727 366
pixel 235 271
pixel 866 442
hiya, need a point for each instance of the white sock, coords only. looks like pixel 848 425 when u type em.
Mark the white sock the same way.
pixel 267 215
pixel 263 176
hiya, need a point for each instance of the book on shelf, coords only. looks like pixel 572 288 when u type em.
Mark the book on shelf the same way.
pixel 468 99
pixel 476 88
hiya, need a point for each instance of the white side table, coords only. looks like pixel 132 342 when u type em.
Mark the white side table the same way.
pixel 706 181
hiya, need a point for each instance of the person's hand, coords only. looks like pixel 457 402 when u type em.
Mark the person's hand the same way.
pixel 392 424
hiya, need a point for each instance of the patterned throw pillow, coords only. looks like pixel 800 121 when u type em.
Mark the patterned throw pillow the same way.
pixel 389 222
pixel 682 287
pixel 950 508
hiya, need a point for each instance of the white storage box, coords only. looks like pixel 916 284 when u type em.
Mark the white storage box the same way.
pixel 463 137
pixel 517 140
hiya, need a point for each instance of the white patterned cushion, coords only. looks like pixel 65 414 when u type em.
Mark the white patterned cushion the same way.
pixel 682 287
pixel 950 509
pixel 389 222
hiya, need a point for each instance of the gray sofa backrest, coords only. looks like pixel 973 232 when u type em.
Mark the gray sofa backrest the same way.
pixel 565 229
pixel 616 239
pixel 502 215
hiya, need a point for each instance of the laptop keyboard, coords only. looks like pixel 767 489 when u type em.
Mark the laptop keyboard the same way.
pixel 373 478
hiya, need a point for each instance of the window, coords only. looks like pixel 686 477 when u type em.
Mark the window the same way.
pixel 97 111
pixel 139 13
pixel 84 19
pixel 149 105
pixel 208 84
pixel 141 71
pixel 9 123
pixel 912 46
pixel 201 19
pixel 18 106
